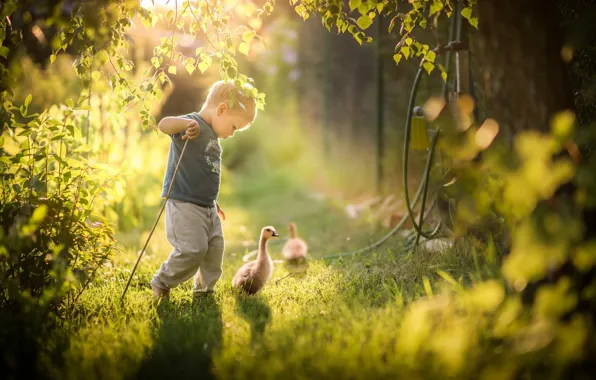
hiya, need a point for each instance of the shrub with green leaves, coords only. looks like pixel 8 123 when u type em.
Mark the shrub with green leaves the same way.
pixel 51 231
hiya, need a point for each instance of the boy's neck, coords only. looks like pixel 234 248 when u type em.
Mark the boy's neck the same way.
pixel 207 115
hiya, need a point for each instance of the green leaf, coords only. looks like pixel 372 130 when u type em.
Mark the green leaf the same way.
pixel 39 214
pixel 467 14
pixel 354 4
pixel 102 56
pixel 420 47
pixel 190 68
pixel 408 24
pixel 28 100
pixel 409 41
pixel 427 288
pixel 146 22
pixel 474 22
pixel 71 129
pixel 359 37
pixel 4 51
pixel 363 9
pixel 172 70
pixel 428 66
pixel 25 132
pixel 70 103
pixel 268 8
pixel 431 56
pixel 243 48
pixel 444 76
pixel 405 51
pixel 74 163
pixel 248 36
pixel 52 58
pixel 207 59
pixel 562 124
pixel 436 7
pixel 96 75
pixel 328 22
pixel 203 66
pixel 364 22
pixel 397 58
pixel 448 278
pixel 156 61
pixel 302 11
pixel 83 148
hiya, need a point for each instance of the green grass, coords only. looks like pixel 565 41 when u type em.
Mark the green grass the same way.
pixel 339 320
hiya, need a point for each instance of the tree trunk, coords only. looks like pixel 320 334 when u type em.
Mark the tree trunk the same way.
pixel 518 52
pixel 525 82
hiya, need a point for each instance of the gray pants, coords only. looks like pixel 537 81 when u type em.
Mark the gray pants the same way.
pixel 195 233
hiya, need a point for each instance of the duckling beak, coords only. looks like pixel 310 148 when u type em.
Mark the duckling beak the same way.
pixel 275 234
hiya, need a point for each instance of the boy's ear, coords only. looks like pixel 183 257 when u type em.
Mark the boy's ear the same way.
pixel 221 108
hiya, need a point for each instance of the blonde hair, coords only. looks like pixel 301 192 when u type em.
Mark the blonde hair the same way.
pixel 236 99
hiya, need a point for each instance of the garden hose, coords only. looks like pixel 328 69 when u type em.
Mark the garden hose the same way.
pixel 406 152
pixel 403 220
pixel 454 29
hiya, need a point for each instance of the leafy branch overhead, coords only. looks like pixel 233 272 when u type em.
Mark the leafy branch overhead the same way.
pixel 357 16
pixel 96 34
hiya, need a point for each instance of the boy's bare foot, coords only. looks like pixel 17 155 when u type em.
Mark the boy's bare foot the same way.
pixel 159 292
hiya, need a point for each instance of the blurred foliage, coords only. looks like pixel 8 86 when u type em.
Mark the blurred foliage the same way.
pixel 46 171
pixel 52 237
pixel 96 34
pixel 533 195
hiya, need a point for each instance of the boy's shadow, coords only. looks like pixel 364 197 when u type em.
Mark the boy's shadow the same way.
pixel 189 335
pixel 256 312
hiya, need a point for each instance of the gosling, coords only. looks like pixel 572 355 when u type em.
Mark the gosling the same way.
pixel 252 276
pixel 295 251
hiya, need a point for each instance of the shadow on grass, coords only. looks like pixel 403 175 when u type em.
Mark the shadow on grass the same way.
pixel 188 337
pixel 255 310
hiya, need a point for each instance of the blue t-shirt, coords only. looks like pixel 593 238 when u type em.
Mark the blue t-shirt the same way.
pixel 199 175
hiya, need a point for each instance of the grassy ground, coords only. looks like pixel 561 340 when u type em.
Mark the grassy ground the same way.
pixel 337 321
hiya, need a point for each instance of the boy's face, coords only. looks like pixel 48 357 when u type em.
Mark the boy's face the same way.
pixel 227 122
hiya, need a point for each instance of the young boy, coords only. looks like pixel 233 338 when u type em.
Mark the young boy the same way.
pixel 193 225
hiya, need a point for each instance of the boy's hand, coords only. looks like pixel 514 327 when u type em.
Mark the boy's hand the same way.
pixel 192 131
pixel 220 213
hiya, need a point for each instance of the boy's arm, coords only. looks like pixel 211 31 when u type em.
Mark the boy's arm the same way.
pixel 176 125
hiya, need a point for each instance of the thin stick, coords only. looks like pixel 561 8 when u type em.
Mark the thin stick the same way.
pixel 283 278
pixel 156 221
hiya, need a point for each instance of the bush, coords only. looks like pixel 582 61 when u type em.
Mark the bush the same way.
pixel 53 236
